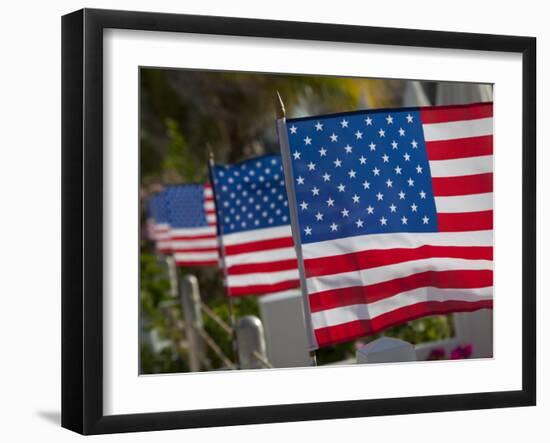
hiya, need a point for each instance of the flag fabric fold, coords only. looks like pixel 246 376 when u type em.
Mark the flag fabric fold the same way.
pixel 192 220
pixel 394 215
pixel 254 227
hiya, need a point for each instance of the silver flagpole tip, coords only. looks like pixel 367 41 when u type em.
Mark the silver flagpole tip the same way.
pixel 281 112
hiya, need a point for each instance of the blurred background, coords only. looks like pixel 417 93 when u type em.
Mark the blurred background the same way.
pixel 185 115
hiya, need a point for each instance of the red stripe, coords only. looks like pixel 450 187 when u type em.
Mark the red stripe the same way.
pixel 440 114
pixel 374 258
pixel 164 250
pixel 193 237
pixel 465 221
pixel 197 263
pixel 263 289
pixel 210 211
pixel 208 249
pixel 252 268
pixel 349 331
pixel 460 148
pixel 261 245
pixel 459 279
pixel 462 185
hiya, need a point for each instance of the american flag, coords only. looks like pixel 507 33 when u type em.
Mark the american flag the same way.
pixel 158 226
pixel 394 215
pixel 192 219
pixel 259 256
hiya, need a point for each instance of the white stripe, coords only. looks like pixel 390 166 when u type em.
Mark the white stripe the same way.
pixel 365 277
pixel 263 278
pixel 346 314
pixel 396 240
pixel 190 232
pixel 189 244
pixel 464 203
pixel 461 166
pixel 161 227
pixel 210 218
pixel 209 205
pixel 164 244
pixel 257 234
pixel 260 256
pixel 208 192
pixel 195 256
pixel 458 129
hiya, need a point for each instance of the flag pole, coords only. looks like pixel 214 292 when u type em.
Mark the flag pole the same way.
pixel 283 142
pixel 221 252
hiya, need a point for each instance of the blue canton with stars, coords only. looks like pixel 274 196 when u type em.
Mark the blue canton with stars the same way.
pixel 186 206
pixel 361 173
pixel 251 194
pixel 158 207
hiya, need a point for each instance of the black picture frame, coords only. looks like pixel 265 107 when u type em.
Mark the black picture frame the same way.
pixel 82 218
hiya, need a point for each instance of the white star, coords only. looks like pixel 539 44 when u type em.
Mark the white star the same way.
pixel 362 160
pixel 356 198
pixel 348 149
pixel 323 152
pixel 330 202
pixel 410 181
pixel 315 191
pixel 385 158
pixel 372 146
pixel 414 207
pixel 307 230
pixel 397 170
pixel 404 220
pixel 406 156
pixel 401 195
pixel 383 221
pixel 368 121
pixel 344 123
pixel 394 144
pixel 380 196
pixel 304 205
pixel 300 180
pixel 389 119
pixel 307 141
pixel 376 171
pixel 393 208
pixel 333 137
pixel 366 185
pixel 389 183
pixel 319 126
pixel 358 135
pixel 414 144
pixel 370 209
pixel 334 227
pixel 326 177
pixel 337 163
pixel 425 220
pixel 422 194
pixel 344 212
pixel 319 216
pixel 401 132
pixel 409 118
pixel 341 187
pixel 419 169
pixel 293 129
pixel 382 133
pixel 351 173
pixel 359 223
pixel 311 166
pixel 296 155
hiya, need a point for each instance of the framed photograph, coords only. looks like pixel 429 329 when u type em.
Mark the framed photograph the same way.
pixel 269 221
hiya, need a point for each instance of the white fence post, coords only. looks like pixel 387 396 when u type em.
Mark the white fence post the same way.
pixel 386 350
pixel 251 343
pixel 190 302
pixel 172 275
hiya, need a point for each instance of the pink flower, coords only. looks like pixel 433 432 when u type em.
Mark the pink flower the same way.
pixel 437 354
pixel 461 352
